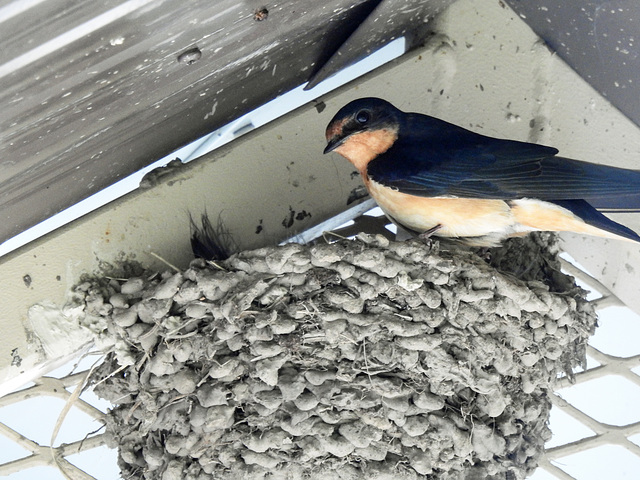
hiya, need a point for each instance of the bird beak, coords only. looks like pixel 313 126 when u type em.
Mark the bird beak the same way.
pixel 334 143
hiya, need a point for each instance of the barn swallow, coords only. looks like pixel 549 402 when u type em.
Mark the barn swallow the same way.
pixel 433 177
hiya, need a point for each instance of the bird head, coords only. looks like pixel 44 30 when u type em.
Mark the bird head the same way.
pixel 362 130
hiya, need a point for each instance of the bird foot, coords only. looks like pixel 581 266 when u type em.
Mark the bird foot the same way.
pixel 426 236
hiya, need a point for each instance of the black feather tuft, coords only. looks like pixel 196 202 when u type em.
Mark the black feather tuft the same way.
pixel 209 242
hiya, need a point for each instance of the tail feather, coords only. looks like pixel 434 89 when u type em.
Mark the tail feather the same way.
pixel 593 217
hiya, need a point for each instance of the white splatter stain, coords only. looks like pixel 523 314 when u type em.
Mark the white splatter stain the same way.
pixel 212 112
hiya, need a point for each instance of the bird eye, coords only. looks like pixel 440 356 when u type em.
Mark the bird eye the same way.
pixel 362 117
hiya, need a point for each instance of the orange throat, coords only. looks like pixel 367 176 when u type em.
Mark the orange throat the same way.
pixel 360 148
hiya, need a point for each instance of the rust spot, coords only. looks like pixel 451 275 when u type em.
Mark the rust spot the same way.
pixel 260 14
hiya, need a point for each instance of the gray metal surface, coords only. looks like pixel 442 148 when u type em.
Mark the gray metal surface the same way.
pixel 599 39
pixel 388 21
pixel 93 91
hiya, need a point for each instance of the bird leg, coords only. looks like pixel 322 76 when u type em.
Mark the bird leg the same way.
pixel 427 234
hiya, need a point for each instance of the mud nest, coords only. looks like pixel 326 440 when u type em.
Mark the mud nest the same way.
pixel 360 359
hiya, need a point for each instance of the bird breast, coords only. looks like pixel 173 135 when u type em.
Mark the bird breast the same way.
pixel 459 217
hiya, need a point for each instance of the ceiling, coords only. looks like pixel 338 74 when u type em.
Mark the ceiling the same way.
pixel 599 39
pixel 94 91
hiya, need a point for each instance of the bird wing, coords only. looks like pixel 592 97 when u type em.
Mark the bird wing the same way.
pixel 435 158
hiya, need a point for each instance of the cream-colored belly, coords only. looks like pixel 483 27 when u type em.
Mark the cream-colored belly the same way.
pixel 458 217
pixel 494 219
